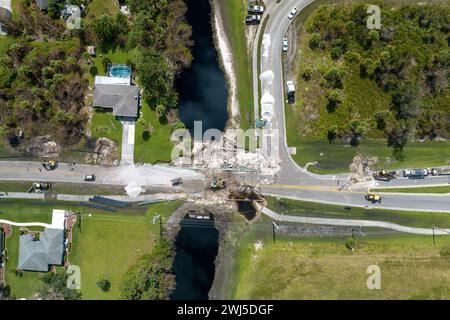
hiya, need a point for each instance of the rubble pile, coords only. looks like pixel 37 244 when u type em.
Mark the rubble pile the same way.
pixel 227 154
pixel 360 168
pixel 106 152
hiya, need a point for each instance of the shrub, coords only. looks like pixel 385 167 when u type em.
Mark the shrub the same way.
pixel 104 284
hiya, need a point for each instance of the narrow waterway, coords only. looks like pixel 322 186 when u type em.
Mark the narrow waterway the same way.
pixel 202 89
pixel 196 250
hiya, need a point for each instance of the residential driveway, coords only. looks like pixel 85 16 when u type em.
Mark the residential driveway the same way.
pixel 128 133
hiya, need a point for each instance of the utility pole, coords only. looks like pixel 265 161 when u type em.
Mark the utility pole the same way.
pixel 154 219
pixel 274 227
pixel 434 240
pixel 448 172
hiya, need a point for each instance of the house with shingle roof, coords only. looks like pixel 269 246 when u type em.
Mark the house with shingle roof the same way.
pixel 117 95
pixel 40 251
pixel 40 254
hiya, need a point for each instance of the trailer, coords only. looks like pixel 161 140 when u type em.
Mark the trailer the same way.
pixel 440 171
pixel 384 175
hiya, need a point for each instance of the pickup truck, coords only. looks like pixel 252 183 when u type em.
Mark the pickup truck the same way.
pixel 255 10
pixel 253 19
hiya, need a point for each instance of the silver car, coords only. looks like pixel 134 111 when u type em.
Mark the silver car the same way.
pixel 285 44
pixel 293 13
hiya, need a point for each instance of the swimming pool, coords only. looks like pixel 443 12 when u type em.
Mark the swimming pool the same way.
pixel 120 71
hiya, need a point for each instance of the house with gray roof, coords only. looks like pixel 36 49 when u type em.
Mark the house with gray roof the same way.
pixel 40 254
pixel 119 96
pixel 42 4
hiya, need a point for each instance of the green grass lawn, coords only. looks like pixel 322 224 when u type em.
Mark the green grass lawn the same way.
pixel 98 7
pixel 105 124
pixel 154 148
pixel 435 189
pixel 303 208
pixel 336 157
pixel 323 268
pixel 106 245
pixel 64 188
pixel 234 12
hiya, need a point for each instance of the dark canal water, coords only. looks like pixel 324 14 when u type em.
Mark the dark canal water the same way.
pixel 196 249
pixel 202 89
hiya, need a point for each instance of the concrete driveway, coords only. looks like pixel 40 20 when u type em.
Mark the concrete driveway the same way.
pixel 128 134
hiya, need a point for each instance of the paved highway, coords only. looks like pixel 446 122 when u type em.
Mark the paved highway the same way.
pixel 143 175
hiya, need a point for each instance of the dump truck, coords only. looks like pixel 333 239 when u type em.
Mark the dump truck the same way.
pixel 384 175
pixel 50 164
pixel 290 91
pixel 39 187
pixel 373 197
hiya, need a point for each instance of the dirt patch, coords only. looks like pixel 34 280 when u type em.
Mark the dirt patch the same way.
pixel 43 146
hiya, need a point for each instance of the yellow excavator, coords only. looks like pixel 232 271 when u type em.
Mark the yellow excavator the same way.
pixel 50 164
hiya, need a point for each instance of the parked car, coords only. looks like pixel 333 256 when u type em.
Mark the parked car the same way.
pixel 255 9
pixel 89 177
pixel 253 19
pixel 285 44
pixel 293 13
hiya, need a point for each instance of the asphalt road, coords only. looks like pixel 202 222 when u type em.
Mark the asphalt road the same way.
pixel 143 175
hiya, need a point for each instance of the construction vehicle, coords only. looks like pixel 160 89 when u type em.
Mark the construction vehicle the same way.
pixel 39 187
pixel 384 175
pixel 50 164
pixel 373 197
pixel 216 184
pixel 176 182
pixel 290 91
